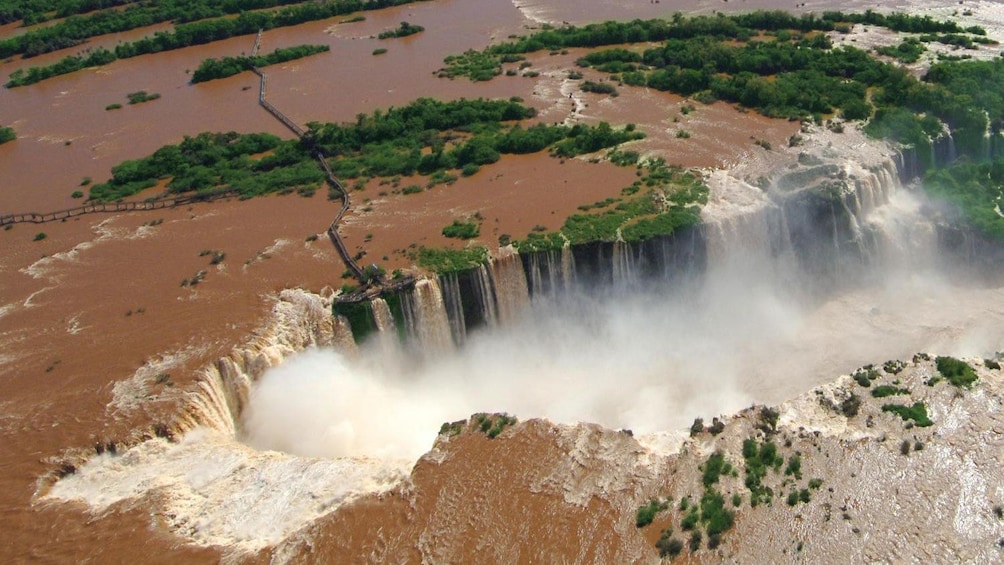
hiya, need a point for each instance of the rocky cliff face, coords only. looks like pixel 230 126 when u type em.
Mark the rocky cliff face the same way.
pixel 868 485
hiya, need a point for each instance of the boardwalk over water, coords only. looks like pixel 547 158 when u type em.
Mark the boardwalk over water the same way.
pixel 372 285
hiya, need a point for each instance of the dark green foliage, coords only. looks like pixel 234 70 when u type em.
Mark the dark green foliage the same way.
pixel 646 513
pixel 691 520
pixel 499 423
pixel 958 372
pixel 39 236
pixel 667 545
pixel 141 96
pixel 403 30
pixel 759 459
pixel 715 516
pixel 211 69
pixel 359 316
pixel 445 261
pixel 883 391
pixel 850 406
pixel 865 375
pixel 974 188
pixel 814 484
pixel 794 466
pixel 209 161
pixel 7 134
pixel 462 230
pixel 917 413
pixel 714 467
pixel 115 106
pixel 599 87
pixel 695 540
pixel 379 51
pixel 909 51
pixel 893 367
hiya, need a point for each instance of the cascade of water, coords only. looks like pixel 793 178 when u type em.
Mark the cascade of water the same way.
pixel 382 316
pixel 509 281
pixel 568 276
pixel 426 317
pixel 454 307
pixel 486 295
pixel 625 273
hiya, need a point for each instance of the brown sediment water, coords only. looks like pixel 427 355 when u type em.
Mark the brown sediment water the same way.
pixel 100 296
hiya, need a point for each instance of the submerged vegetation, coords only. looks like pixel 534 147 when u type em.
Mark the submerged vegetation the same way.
pixel 211 69
pixel 74 30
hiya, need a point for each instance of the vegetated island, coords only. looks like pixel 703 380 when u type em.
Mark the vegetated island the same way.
pixel 212 69
pixel 775 63
pixel 403 30
pixel 7 134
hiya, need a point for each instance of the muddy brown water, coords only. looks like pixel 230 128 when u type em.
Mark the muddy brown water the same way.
pixel 84 308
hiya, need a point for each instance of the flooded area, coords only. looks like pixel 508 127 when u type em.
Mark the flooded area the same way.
pixel 96 299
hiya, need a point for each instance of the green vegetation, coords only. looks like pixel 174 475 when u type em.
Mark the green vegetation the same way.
pixel 360 317
pixel 208 161
pixel 141 96
pixel 379 51
pixel 865 375
pixel 759 459
pixel 909 51
pixel 714 467
pixel 883 391
pixel 462 230
pixel 667 545
pixel 404 30
pixel 40 236
pixel 7 134
pixel 599 87
pixel 958 372
pixel 647 512
pixel 430 137
pixel 493 424
pixel 200 32
pixel 445 261
pixel 976 188
pixel 893 367
pixel 917 413
pixel 794 467
pixel 77 194
pixel 662 201
pixel 115 106
pixel 212 69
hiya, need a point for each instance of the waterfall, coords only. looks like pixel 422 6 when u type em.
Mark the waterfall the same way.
pixel 454 307
pixel 624 267
pixel 382 316
pixel 426 317
pixel 485 296
pixel 509 281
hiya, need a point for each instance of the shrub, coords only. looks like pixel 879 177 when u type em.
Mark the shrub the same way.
pixel 668 546
pixel 462 230
pixel 904 448
pixel 379 51
pixel 695 540
pixel 887 390
pixel 850 406
pixel 714 467
pixel 77 194
pixel 40 236
pixel 7 134
pixel 115 106
pixel 141 96
pixel 470 169
pixel 917 413
pixel 647 512
pixel 958 372
pixel 412 189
